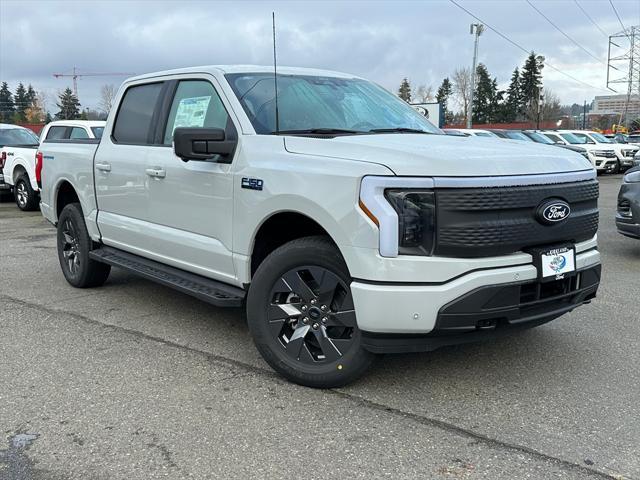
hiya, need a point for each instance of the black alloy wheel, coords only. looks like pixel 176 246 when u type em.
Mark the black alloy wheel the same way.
pixel 301 315
pixel 311 315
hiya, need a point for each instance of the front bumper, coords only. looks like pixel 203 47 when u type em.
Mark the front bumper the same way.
pixel 628 212
pixel 419 309
pixel 494 311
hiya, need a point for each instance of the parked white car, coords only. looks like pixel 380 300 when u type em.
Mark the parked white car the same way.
pixel 346 223
pixel 20 163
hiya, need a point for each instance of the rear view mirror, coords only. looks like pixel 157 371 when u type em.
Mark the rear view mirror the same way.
pixel 203 144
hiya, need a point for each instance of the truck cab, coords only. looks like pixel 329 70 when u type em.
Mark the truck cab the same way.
pixel 343 221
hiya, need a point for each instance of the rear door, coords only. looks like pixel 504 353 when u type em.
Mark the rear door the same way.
pixel 122 185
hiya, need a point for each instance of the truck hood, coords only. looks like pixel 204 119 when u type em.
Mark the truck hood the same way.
pixel 443 155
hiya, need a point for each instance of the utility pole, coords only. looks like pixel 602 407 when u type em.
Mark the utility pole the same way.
pixel 477 29
pixel 540 103
pixel 584 116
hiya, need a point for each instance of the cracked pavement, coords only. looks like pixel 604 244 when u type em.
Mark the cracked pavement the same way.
pixel 134 380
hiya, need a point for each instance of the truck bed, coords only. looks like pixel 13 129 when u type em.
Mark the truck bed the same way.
pixel 68 161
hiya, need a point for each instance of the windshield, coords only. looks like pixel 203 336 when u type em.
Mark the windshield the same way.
pixel 573 139
pixel 485 134
pixel 97 131
pixel 327 103
pixel 17 136
pixel 600 138
pixel 537 137
pixel 517 136
pixel 633 138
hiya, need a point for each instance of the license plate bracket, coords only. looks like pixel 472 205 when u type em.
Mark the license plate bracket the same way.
pixel 554 262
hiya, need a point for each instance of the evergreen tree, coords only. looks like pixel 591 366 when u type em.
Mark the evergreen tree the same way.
pixel 22 102
pixel 486 97
pixel 48 118
pixel 404 92
pixel 69 106
pixel 31 95
pixel 7 107
pixel 531 81
pixel 512 107
pixel 442 97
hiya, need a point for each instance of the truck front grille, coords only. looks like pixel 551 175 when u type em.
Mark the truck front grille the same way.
pixel 479 222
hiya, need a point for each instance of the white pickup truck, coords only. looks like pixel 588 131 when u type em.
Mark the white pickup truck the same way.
pixel 343 221
pixel 20 159
pixel 16 142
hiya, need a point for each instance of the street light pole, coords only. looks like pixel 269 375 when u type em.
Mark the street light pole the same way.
pixel 477 29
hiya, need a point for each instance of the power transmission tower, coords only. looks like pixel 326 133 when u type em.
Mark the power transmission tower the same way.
pixel 624 58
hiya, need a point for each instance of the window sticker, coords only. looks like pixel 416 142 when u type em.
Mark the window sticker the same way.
pixel 191 112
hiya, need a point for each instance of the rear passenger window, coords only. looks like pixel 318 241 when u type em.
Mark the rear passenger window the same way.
pixel 56 133
pixel 133 122
pixel 78 133
pixel 195 105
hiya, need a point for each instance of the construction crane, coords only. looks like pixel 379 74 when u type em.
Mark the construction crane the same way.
pixel 75 75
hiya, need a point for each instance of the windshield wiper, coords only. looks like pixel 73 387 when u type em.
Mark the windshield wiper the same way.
pixel 399 130
pixel 319 131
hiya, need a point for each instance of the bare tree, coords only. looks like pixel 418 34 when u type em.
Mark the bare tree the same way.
pixel 461 85
pixel 424 94
pixel 107 95
pixel 551 108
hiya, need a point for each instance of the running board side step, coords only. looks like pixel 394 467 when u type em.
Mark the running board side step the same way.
pixel 211 291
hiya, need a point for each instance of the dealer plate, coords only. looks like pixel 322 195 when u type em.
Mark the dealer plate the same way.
pixel 556 263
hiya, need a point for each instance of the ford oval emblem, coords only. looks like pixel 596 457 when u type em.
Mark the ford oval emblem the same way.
pixel 553 211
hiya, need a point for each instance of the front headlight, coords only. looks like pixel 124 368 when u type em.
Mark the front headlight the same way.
pixel 416 220
pixel 403 209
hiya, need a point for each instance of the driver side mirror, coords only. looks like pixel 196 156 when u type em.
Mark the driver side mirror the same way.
pixel 203 144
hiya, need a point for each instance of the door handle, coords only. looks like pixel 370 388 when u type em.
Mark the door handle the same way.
pixel 156 172
pixel 105 167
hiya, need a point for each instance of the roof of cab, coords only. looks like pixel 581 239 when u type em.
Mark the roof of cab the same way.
pixel 223 69
pixel 11 125
pixel 86 123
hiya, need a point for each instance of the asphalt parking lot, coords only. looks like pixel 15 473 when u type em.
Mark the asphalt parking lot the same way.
pixel 136 381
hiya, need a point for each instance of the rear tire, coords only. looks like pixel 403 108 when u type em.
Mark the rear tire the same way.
pixel 26 197
pixel 301 315
pixel 74 245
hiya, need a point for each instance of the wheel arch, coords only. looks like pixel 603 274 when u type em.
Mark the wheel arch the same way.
pixel 275 230
pixel 65 193
pixel 18 169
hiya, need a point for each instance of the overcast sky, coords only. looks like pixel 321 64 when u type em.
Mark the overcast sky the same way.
pixel 380 40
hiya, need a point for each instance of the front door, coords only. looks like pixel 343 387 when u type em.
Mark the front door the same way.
pixel 191 203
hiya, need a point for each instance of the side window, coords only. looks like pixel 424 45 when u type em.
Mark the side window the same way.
pixel 197 105
pixel 78 133
pixel 56 133
pixel 134 118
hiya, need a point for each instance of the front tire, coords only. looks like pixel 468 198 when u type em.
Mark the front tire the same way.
pixel 302 318
pixel 26 197
pixel 74 245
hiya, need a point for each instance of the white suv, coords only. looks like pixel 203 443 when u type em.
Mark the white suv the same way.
pixel 603 159
pixel 624 152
